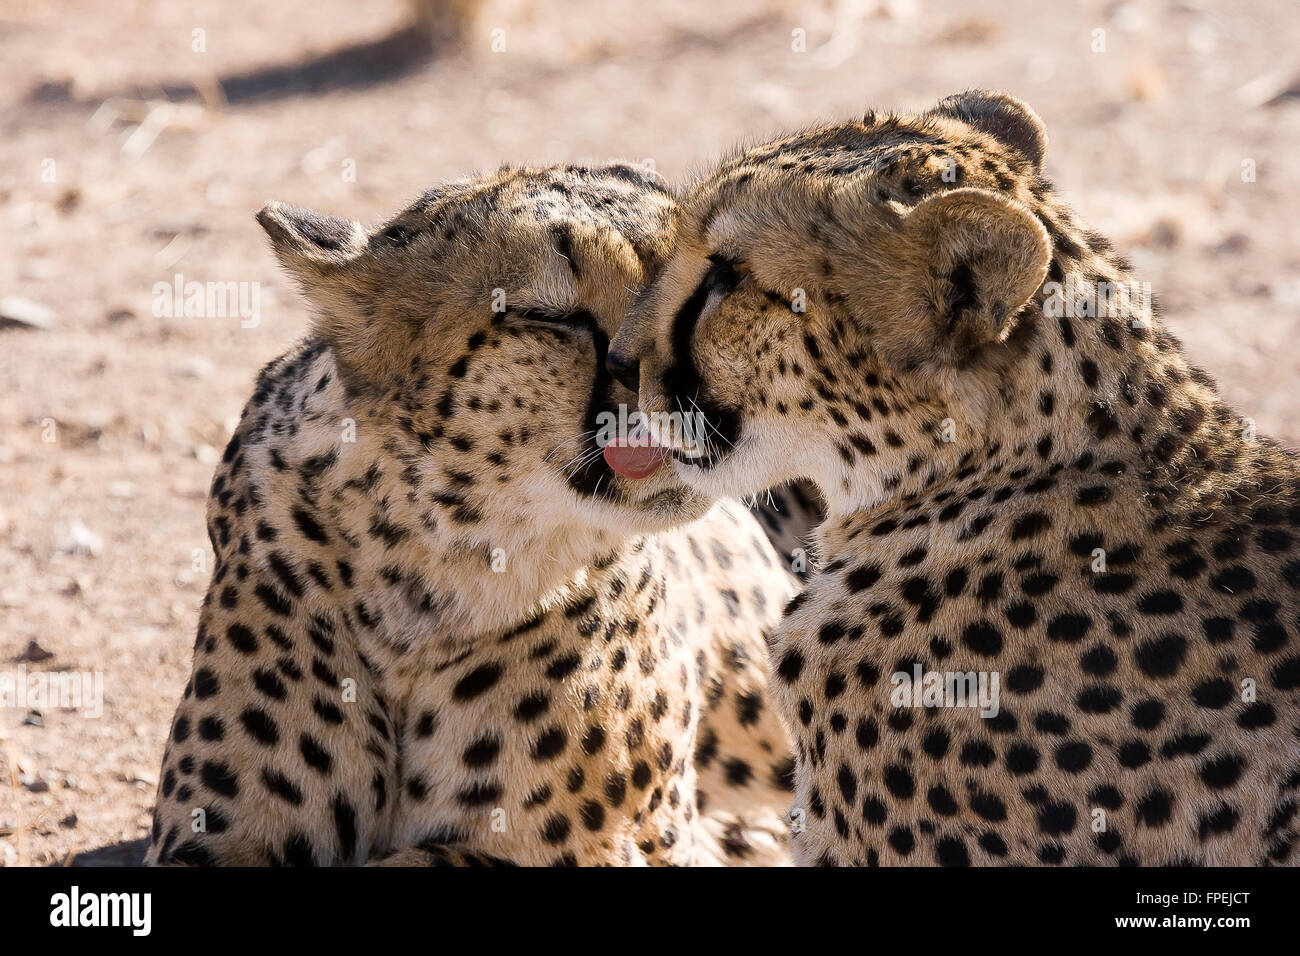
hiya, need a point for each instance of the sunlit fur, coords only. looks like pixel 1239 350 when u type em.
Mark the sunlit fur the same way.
pixel 1060 500
pixel 439 629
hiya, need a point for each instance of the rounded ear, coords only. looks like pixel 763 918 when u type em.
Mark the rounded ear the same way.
pixel 1007 119
pixel 641 173
pixel 310 245
pixel 327 257
pixel 975 259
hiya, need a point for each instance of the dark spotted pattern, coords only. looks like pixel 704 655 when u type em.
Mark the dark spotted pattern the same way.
pixel 1067 506
pixel 438 631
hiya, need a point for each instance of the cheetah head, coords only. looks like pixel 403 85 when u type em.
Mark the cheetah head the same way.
pixel 472 330
pixel 834 297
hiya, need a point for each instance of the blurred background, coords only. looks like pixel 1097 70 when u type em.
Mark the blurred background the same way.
pixel 138 137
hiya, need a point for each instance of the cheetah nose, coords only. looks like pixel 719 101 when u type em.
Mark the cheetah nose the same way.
pixel 626 370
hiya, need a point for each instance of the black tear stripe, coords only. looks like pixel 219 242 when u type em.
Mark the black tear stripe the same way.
pixel 682 382
pixel 596 472
pixel 587 479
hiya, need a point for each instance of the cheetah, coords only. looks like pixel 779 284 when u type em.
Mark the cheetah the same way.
pixel 1030 491
pixel 440 629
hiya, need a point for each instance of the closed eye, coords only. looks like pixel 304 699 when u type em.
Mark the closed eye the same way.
pixel 727 273
pixel 576 319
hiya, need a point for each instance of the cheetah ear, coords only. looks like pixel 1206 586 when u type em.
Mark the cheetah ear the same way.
pixel 328 258
pixel 1007 119
pixel 315 248
pixel 642 173
pixel 971 259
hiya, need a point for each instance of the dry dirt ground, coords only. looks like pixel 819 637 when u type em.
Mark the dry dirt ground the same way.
pixel 1176 131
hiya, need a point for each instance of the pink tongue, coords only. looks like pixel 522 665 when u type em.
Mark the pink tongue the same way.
pixel 634 461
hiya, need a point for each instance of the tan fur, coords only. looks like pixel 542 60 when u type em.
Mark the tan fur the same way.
pixel 439 627
pixel 1061 501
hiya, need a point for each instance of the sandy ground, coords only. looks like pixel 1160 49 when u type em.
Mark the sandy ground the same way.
pixel 112 415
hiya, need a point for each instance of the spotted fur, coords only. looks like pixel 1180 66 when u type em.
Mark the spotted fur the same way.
pixel 1051 495
pixel 440 630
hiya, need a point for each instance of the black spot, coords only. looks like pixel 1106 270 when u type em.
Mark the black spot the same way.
pixel 1024 679
pixel 1233 580
pixel 902 841
pixel 791 665
pixel 219 778
pixel 1030 525
pixel 345 825
pixel 1098 699
pixel 280 785
pixel 1073 756
pixel 477 682
pixel 1160 602
pixel 982 638
pixel 260 726
pixel 1056 819
pixel 482 752
pixel 1155 809
pixel 1148 714
pixel 951 851
pixel 1022 759
pixel 1161 656
pixel 862 578
pixel 899 782
pixel 1222 772
pixel 941 801
pixel 1068 627
pixel 206 684
pixel 1213 694
pixel 308 526
pixel 316 756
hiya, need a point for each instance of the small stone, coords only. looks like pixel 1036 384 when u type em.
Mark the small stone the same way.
pixel 38 269
pixel 58 90
pixel 197 366
pixel 1232 243
pixel 16 312
pixel 34 784
pixel 69 587
pixel 34 718
pixel 141 776
pixel 121 490
pixel 117 316
pixel 1165 233
pixel 80 540
pixel 68 201
pixel 34 654
pixel 69 822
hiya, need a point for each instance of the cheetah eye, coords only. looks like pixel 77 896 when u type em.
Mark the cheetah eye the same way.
pixel 578 319
pixel 727 272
